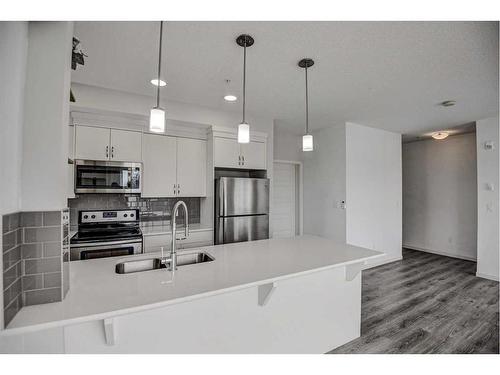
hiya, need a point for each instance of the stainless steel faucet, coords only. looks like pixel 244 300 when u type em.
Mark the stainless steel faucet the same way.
pixel 173 250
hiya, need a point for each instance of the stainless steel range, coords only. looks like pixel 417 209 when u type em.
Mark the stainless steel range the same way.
pixel 106 233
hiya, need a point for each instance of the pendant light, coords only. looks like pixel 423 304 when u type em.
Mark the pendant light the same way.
pixel 244 41
pixel 307 139
pixel 157 115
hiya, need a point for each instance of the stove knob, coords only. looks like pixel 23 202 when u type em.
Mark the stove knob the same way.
pixel 92 217
pixel 131 215
pixel 125 215
pixel 85 216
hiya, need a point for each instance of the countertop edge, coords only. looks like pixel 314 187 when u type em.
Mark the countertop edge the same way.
pixel 130 310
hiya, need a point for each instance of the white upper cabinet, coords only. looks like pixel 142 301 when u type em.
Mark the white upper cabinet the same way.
pixel 228 153
pixel 92 143
pixel 254 155
pixel 159 166
pixel 191 167
pixel 125 145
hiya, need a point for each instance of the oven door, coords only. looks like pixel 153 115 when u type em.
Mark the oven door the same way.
pixel 105 250
pixel 107 177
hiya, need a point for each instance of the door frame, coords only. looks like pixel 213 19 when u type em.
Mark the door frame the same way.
pixel 300 169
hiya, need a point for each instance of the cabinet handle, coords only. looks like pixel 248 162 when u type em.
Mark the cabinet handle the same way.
pixel 239 159
pixel 178 188
pixel 107 152
pixel 112 152
pixel 243 157
pixel 174 189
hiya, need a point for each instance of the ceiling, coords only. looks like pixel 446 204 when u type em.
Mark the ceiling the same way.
pixel 389 75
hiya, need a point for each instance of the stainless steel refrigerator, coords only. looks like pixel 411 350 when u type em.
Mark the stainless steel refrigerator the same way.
pixel 241 209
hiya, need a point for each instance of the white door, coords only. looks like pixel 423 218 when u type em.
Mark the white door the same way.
pixel 226 153
pixel 191 167
pixel 254 155
pixel 125 145
pixel 159 166
pixel 284 200
pixel 92 143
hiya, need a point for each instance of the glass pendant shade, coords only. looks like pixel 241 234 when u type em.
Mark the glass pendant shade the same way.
pixel 307 142
pixel 157 120
pixel 243 133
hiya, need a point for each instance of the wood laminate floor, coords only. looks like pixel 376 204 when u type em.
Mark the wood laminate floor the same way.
pixel 426 303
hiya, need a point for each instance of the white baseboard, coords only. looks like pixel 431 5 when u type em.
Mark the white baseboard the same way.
pixel 486 276
pixel 437 252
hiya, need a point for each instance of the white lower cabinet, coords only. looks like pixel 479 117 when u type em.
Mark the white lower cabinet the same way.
pixel 159 166
pixel 154 242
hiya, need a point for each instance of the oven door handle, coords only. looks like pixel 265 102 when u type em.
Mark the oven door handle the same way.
pixel 106 243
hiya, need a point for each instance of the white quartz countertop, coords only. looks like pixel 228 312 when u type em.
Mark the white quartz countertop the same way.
pixel 97 292
pixel 152 230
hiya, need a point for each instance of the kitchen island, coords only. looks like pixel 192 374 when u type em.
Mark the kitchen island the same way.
pixel 297 295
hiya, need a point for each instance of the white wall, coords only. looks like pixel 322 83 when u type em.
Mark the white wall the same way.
pixel 487 200
pixel 325 184
pixel 287 145
pixel 439 196
pixel 374 190
pixel 13 54
pixel 45 132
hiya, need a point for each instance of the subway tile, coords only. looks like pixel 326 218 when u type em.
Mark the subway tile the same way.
pixel 5 223
pixel 9 241
pixel 19 236
pixel 11 274
pixel 51 249
pixel 12 292
pixel 31 250
pixel 14 221
pixel 51 218
pixel 32 219
pixel 36 297
pixel 34 266
pixel 11 311
pixel 31 282
pixel 11 257
pixel 46 234
pixel 52 280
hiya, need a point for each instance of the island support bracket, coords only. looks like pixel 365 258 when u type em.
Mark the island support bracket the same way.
pixel 110 331
pixel 265 291
pixel 352 270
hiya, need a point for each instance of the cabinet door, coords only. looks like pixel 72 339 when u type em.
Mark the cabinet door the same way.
pixel 91 143
pixel 158 166
pixel 191 167
pixel 125 145
pixel 254 155
pixel 226 153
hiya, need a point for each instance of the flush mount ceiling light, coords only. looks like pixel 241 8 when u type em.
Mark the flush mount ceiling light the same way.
pixel 440 135
pixel 154 82
pixel 157 115
pixel 307 139
pixel 448 103
pixel 229 96
pixel 244 41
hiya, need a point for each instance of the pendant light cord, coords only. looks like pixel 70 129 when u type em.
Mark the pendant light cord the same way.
pixel 244 77
pixel 307 106
pixel 159 67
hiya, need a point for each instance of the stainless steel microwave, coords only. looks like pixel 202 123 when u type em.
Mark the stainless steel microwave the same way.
pixel 107 177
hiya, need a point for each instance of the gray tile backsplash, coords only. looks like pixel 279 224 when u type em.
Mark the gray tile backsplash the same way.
pixel 154 211
pixel 33 256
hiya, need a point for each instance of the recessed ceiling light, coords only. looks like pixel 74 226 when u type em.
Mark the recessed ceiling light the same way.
pixel 448 103
pixel 440 135
pixel 230 98
pixel 155 82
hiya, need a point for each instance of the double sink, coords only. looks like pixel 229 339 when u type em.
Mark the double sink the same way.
pixel 151 264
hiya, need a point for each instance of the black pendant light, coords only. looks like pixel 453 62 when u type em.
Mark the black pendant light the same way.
pixel 244 41
pixel 307 139
pixel 157 115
